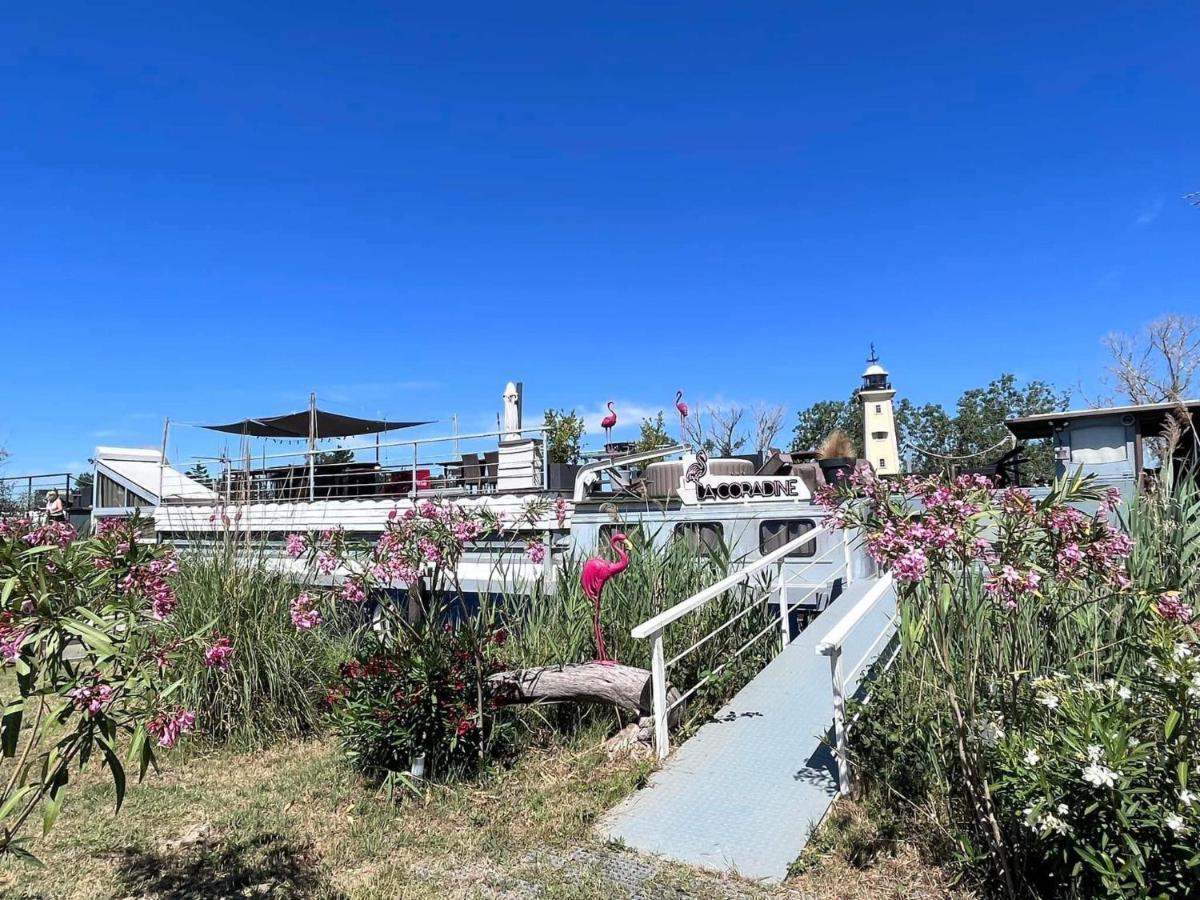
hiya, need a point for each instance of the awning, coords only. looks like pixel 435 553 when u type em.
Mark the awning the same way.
pixel 296 425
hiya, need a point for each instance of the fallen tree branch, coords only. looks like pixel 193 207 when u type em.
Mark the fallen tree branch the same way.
pixel 626 687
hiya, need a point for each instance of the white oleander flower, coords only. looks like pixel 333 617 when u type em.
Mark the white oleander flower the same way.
pixel 1050 701
pixel 1175 822
pixel 1062 809
pixel 1124 693
pixel 1186 797
pixel 1099 776
pixel 1093 752
pixel 1032 758
pixel 1183 651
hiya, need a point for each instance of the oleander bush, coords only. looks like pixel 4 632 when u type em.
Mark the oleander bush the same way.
pixel 91 643
pixel 1042 714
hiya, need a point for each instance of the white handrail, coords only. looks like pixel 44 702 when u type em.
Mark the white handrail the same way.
pixel 837 634
pixel 831 646
pixel 694 602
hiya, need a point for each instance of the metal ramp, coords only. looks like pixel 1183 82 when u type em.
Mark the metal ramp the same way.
pixel 745 792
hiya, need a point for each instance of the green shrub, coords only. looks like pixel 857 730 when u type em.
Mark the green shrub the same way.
pixel 1045 701
pixel 421 694
pixel 277 678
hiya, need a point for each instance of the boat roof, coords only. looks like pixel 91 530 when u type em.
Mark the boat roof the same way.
pixel 1149 416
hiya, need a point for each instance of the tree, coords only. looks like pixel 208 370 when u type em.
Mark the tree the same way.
pixel 83 480
pixel 199 473
pixel 564 435
pixel 726 421
pixel 815 423
pixel 768 420
pixel 930 438
pixel 1160 365
pixel 653 434
pixel 331 457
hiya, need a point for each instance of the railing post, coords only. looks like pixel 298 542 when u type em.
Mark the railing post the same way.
pixel 839 719
pixel 785 625
pixel 658 692
pixel 416 486
pixel 847 556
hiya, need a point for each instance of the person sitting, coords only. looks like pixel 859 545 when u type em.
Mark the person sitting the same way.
pixel 54 508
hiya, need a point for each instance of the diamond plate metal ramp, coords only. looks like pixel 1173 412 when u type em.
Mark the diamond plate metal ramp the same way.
pixel 745 792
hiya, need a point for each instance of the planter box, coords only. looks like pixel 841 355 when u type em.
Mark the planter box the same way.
pixel 562 476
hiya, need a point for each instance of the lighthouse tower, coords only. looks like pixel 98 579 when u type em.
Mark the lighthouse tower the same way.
pixel 879 419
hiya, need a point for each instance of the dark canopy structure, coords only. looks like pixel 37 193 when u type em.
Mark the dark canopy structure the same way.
pixel 316 423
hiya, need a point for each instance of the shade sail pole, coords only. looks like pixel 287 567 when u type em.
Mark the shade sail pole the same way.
pixel 312 446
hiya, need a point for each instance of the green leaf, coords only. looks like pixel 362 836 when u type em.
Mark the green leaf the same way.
pixel 118 772
pixel 14 800
pixel 93 637
pixel 10 731
pixel 54 800
pixel 7 590
pixel 1182 771
pixel 19 851
pixel 1171 723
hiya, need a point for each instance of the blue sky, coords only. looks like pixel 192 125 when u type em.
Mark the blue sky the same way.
pixel 208 212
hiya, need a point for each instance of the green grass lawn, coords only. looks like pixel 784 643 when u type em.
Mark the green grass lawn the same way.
pixel 292 821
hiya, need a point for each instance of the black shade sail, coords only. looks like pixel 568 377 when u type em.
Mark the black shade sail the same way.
pixel 296 425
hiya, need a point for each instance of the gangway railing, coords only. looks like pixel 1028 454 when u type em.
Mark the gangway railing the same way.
pixel 655 628
pixel 832 645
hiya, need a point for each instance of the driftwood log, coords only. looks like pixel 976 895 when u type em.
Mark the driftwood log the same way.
pixel 625 687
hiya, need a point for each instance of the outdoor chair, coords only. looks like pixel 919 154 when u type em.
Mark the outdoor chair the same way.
pixel 491 470
pixel 472 472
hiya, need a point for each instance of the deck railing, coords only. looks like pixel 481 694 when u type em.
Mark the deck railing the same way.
pixel 25 494
pixel 778 586
pixel 831 646
pixel 418 467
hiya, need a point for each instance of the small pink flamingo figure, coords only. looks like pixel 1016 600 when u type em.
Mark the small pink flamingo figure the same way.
pixel 608 423
pixel 596 572
pixel 683 414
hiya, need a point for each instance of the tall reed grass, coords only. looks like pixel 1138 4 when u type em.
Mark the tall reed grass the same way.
pixel 276 684
pixel 556 627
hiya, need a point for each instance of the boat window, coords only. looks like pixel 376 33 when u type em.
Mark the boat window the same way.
pixel 703 538
pixel 878 435
pixel 633 531
pixel 773 535
pixel 878 407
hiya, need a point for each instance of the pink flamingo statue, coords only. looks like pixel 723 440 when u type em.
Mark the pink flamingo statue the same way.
pixel 608 423
pixel 683 414
pixel 596 572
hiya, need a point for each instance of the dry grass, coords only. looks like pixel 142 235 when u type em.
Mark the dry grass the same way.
pixel 291 821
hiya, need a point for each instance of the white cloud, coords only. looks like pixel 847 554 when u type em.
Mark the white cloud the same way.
pixel 1149 212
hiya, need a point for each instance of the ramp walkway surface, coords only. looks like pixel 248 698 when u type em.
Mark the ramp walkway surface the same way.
pixel 745 792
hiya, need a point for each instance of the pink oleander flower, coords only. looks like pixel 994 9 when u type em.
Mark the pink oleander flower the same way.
pixel 1069 558
pixel 1171 608
pixel 465 531
pixel 326 562
pixel 911 566
pixel 560 511
pixel 296 545
pixel 305 615
pixel 536 552
pixel 10 644
pixel 91 698
pixel 352 590
pixel 169 727
pixel 430 550
pixel 219 655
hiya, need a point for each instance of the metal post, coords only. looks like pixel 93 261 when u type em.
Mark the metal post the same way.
pixel 545 459
pixel 416 485
pixel 847 557
pixel 785 626
pixel 839 720
pixel 658 690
